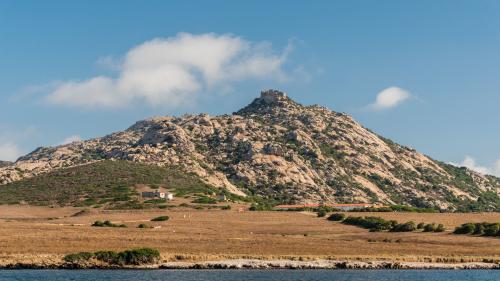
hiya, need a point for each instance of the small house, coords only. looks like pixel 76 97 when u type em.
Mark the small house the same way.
pixel 170 196
pixel 153 194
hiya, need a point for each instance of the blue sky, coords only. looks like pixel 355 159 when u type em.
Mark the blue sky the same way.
pixel 86 69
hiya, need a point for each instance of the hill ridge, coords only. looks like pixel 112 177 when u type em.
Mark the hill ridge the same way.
pixel 279 149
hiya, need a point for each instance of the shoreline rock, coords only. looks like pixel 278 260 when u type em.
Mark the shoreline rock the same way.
pixel 265 264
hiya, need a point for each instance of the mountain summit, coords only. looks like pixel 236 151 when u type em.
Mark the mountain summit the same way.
pixel 278 149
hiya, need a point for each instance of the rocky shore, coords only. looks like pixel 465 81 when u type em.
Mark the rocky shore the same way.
pixel 261 264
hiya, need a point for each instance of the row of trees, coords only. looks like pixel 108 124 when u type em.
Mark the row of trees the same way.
pixel 380 224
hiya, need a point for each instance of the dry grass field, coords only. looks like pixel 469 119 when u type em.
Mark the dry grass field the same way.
pixel 216 234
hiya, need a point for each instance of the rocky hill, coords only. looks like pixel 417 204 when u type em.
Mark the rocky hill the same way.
pixel 5 163
pixel 278 149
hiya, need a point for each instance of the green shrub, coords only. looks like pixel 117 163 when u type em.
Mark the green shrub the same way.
pixel 227 207
pixel 430 227
pixel 372 223
pixel 479 229
pixel 143 225
pixel 439 228
pixel 204 200
pixel 466 228
pixel 128 257
pixel 107 224
pixel 492 229
pixel 78 257
pixel 261 207
pixel 106 256
pixel 321 213
pixel 420 225
pixel 336 217
pixel 404 227
pixel 138 256
pixel 161 218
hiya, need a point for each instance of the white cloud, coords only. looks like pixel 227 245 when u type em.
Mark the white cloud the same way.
pixel 470 162
pixel 389 98
pixel 496 170
pixel 71 139
pixel 171 71
pixel 9 151
pixel 109 62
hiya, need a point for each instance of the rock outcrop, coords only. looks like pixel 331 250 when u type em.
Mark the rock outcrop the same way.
pixel 280 149
pixel 5 163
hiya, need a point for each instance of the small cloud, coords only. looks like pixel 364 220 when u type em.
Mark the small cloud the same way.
pixel 389 98
pixel 470 163
pixel 71 139
pixel 9 151
pixel 171 72
pixel 496 170
pixel 109 62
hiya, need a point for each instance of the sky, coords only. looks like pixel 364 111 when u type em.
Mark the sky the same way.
pixel 422 73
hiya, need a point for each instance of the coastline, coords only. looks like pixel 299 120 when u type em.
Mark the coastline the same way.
pixel 258 264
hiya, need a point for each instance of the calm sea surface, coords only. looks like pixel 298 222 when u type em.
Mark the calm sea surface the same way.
pixel 251 275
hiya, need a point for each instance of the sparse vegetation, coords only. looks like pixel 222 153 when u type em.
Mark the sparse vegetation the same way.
pixel 161 218
pixel 128 257
pixel 404 227
pixel 396 208
pixel 107 224
pixel 321 213
pixel 204 200
pixel 336 217
pixel 481 229
pixel 371 223
pixel 105 183
pixel 78 257
pixel 380 224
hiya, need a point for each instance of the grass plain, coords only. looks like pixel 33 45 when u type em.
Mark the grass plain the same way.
pixel 28 233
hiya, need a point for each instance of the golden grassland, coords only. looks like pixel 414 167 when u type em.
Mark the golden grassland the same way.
pixel 194 235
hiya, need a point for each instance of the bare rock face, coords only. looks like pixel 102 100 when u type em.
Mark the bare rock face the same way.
pixel 277 148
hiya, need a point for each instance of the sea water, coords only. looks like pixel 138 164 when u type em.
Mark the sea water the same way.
pixel 251 275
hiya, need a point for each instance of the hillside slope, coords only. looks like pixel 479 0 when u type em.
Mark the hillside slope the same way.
pixel 276 148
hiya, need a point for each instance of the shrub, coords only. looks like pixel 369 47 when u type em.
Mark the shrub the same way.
pixel 143 225
pixel 204 200
pixel 465 228
pixel 321 213
pixel 227 207
pixel 78 257
pixel 479 229
pixel 336 217
pixel 261 207
pixel 484 229
pixel 420 225
pixel 106 256
pixel 161 218
pixel 134 257
pixel 430 227
pixel 372 223
pixel 439 228
pixel 138 256
pixel 492 229
pixel 404 227
pixel 106 224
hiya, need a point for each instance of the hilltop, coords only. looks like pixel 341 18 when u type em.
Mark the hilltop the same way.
pixel 276 149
